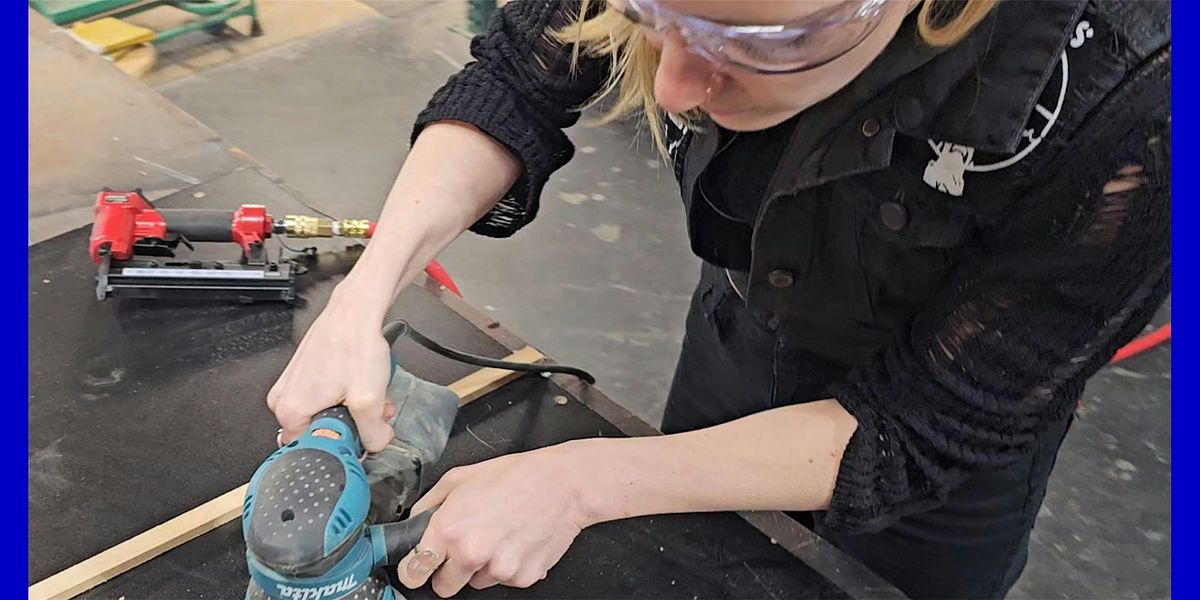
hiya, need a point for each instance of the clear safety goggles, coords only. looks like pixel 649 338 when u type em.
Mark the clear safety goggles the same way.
pixel 783 48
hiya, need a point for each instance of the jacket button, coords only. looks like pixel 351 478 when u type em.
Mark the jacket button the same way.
pixel 780 278
pixel 870 127
pixel 893 215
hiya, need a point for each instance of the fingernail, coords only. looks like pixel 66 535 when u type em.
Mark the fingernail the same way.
pixel 423 563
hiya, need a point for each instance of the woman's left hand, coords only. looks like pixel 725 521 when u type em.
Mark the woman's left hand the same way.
pixel 503 521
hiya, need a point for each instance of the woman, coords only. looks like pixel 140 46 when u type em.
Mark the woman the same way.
pixel 924 225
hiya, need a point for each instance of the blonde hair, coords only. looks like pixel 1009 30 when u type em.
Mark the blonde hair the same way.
pixel 634 60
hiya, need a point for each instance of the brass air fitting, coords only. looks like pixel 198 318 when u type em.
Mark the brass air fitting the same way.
pixel 353 228
pixel 300 226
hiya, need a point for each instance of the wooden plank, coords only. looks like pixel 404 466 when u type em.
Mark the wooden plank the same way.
pixel 143 547
pixel 483 381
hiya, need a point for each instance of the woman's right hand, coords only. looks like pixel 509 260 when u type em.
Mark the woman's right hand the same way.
pixel 452 175
pixel 343 359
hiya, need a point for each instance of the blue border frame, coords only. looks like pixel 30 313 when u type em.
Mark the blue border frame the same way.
pixel 14 54
pixel 1185 214
pixel 1184 415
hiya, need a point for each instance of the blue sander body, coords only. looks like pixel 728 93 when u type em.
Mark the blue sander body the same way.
pixel 319 521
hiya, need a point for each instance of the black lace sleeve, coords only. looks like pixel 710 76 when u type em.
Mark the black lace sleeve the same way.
pixel 1070 276
pixel 522 91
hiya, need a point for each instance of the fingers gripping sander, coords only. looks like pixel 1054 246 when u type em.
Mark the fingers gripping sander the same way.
pixel 318 523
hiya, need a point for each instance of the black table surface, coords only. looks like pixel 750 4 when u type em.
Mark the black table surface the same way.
pixel 679 556
pixel 142 410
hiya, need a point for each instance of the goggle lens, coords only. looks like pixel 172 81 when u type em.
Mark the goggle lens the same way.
pixel 766 49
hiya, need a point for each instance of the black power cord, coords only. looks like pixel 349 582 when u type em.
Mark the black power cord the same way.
pixel 401 328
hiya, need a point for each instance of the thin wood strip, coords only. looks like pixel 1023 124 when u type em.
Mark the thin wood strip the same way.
pixel 143 547
pixel 487 380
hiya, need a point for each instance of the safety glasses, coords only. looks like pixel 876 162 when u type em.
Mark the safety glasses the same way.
pixel 769 49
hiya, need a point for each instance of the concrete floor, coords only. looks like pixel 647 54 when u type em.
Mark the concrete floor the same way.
pixel 601 279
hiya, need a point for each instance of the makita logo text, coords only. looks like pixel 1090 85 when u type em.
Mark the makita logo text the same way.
pixel 317 593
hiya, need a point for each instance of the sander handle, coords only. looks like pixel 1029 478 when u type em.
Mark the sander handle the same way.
pixel 341 414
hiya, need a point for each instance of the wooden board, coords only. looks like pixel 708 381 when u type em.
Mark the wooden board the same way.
pixel 141 548
pixel 219 511
pixel 483 381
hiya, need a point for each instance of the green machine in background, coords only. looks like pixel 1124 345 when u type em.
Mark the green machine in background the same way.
pixel 478 14
pixel 211 14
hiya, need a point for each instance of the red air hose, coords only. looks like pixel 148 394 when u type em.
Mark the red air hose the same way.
pixel 436 272
pixel 1142 344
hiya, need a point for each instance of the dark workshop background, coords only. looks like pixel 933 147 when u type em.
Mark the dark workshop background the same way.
pixel 602 278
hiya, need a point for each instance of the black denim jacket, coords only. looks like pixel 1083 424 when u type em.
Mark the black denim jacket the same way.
pixel 884 185
pixel 940 222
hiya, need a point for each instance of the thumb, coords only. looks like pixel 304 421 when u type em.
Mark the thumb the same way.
pixel 294 411
pixel 369 418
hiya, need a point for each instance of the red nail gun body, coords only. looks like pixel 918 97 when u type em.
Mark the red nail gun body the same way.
pixel 126 223
pixel 134 244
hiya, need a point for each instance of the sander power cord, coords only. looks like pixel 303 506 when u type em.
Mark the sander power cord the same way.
pixel 401 328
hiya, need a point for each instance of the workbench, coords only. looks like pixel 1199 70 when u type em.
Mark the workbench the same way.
pixel 140 411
